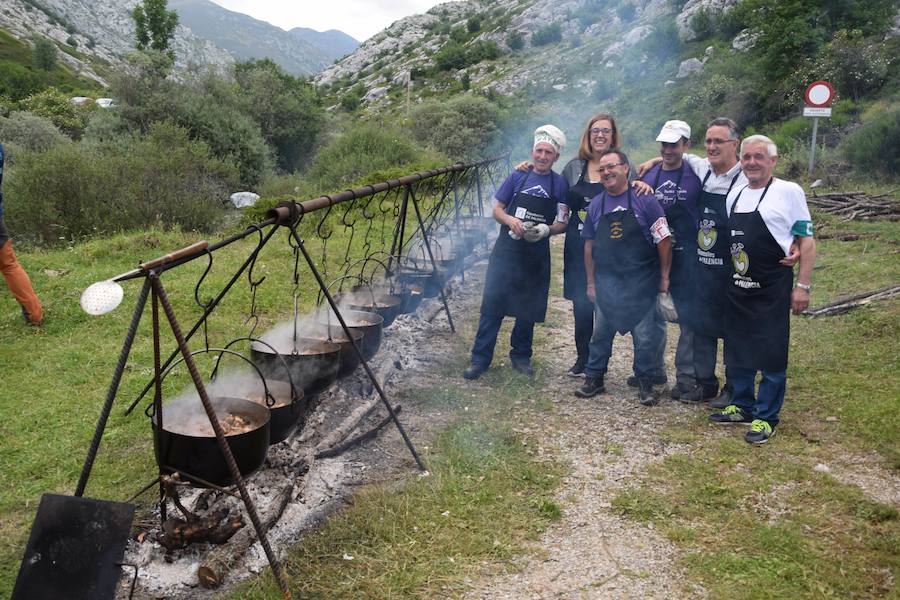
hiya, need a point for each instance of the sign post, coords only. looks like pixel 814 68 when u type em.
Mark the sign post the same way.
pixel 818 98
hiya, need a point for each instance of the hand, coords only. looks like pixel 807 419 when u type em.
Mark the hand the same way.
pixel 666 307
pixel 591 292
pixel 793 256
pixel 516 227
pixel 641 188
pixel 799 300
pixel 523 166
pixel 535 232
pixel 646 166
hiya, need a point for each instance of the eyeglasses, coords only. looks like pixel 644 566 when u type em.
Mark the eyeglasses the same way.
pixel 599 130
pixel 604 169
pixel 717 142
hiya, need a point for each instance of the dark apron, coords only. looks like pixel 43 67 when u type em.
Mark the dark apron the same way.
pixel 626 268
pixel 757 323
pixel 712 272
pixel 574 277
pixel 684 230
pixel 517 282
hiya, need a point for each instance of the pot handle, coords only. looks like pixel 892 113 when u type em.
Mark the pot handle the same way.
pixel 149 412
pixel 294 394
pixel 194 248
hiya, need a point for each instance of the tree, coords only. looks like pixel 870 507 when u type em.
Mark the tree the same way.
pixel 44 53
pixel 154 26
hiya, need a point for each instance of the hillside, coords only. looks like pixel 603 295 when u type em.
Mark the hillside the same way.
pixel 643 60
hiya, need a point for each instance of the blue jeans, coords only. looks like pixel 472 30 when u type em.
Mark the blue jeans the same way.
pixel 520 339
pixel 645 336
pixel 766 403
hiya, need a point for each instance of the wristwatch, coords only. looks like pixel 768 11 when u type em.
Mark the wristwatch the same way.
pixel 804 286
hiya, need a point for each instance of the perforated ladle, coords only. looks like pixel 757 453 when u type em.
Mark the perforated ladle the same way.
pixel 104 296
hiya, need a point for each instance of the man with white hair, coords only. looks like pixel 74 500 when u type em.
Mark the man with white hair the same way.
pixel 529 207
pixel 764 217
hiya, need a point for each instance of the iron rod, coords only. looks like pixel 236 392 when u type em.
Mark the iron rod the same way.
pixel 356 348
pixel 113 390
pixel 437 273
pixel 220 434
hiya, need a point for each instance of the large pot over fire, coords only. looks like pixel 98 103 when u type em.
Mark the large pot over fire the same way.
pixel 366 299
pixel 313 364
pixel 335 333
pixel 285 411
pixel 188 444
pixel 367 323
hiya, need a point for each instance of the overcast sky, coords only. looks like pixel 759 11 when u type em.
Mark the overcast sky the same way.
pixel 360 18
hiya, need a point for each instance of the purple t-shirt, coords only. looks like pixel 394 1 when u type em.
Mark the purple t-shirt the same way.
pixel 550 185
pixel 649 214
pixel 669 193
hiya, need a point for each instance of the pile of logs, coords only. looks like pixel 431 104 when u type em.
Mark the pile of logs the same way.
pixel 851 206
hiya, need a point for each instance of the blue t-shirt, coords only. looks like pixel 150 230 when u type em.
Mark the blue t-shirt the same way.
pixel 549 185
pixel 669 194
pixel 649 214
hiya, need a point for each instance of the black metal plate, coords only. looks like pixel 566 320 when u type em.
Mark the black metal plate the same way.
pixel 74 547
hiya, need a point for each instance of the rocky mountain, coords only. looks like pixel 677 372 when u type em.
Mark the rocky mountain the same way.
pixel 96 34
pixel 335 44
pixel 299 51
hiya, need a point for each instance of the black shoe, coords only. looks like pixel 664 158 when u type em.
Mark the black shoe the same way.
pixel 731 415
pixel 646 394
pixel 722 400
pixel 577 370
pixel 680 390
pixel 592 386
pixel 700 393
pixel 655 380
pixel 474 371
pixel 524 367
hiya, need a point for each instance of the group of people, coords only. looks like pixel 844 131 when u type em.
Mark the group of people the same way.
pixel 16 278
pixel 709 243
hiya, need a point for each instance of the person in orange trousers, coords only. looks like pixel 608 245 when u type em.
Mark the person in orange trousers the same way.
pixel 15 276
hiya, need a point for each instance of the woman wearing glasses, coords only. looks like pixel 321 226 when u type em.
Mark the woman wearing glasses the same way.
pixel 583 175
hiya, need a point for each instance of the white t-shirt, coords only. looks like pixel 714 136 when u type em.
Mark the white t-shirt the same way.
pixel 783 210
pixel 716 184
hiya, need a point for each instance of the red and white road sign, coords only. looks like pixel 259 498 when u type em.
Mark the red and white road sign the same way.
pixel 819 94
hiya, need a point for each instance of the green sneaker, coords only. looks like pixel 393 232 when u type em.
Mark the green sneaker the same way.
pixel 760 432
pixel 731 415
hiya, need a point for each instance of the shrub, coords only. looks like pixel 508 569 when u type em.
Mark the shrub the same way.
pixel 43 55
pixel 461 128
pixel 17 82
pixel 515 40
pixel 626 11
pixel 550 34
pixel 482 50
pixel 459 35
pixel 876 145
pixel 362 148
pixel 702 24
pixel 76 190
pixel 30 132
pixel 55 106
pixel 451 56
pixel 474 24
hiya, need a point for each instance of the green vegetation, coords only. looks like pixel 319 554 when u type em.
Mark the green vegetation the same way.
pixel 549 34
pixel 154 26
pixel 19 77
pixel 463 127
pixel 877 143
pixel 44 53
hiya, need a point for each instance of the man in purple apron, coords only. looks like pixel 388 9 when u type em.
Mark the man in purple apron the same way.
pixel 529 207
pixel 627 255
pixel 765 218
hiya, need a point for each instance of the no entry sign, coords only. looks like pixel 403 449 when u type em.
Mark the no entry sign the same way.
pixel 819 94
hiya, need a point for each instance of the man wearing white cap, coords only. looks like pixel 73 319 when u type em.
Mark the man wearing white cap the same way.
pixel 677 189
pixel 529 207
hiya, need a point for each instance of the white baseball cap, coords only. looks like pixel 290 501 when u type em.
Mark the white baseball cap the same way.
pixel 673 131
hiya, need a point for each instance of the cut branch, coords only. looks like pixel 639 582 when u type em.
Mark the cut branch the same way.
pixel 843 305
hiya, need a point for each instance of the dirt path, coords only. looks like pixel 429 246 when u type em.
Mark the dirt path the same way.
pixel 591 552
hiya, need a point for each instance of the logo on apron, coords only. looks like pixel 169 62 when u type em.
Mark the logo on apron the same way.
pixel 616 230
pixel 739 259
pixel 707 235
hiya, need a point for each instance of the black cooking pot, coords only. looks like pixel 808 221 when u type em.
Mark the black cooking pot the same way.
pixel 410 297
pixel 187 443
pixel 286 410
pixel 427 279
pixel 367 323
pixel 335 334
pixel 313 365
pixel 384 304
